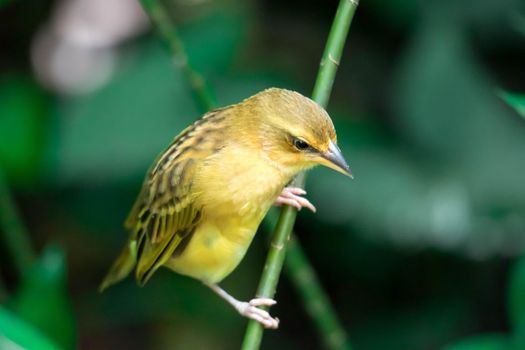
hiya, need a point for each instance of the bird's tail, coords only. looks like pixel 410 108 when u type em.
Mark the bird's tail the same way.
pixel 122 267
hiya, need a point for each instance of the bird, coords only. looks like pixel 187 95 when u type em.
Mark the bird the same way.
pixel 204 197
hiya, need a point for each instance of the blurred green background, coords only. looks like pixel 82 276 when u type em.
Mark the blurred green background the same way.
pixel 421 251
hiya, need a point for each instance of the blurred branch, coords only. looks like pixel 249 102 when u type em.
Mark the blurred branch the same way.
pixel 314 298
pixel 168 32
pixel 307 285
pixel 15 234
pixel 332 333
pixel 322 89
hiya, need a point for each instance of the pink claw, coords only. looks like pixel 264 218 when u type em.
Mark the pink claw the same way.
pixel 292 196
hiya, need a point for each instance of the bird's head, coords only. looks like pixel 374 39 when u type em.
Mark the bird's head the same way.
pixel 295 132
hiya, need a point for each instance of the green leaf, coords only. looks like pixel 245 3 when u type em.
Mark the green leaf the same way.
pixel 516 302
pixel 17 334
pixel 42 299
pixel 482 342
pixel 23 107
pixel 459 136
pixel 515 100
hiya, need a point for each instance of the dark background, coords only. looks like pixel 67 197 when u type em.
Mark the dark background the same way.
pixel 419 251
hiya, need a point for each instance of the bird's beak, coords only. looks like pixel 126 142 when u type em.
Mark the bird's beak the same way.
pixel 335 160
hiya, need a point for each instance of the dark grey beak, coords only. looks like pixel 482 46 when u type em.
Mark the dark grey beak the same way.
pixel 336 160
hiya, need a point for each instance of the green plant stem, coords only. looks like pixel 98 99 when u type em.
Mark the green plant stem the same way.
pixel 168 32
pixel 327 325
pixel 15 234
pixel 321 93
pixel 333 51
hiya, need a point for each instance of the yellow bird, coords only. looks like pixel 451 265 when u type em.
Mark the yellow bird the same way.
pixel 203 199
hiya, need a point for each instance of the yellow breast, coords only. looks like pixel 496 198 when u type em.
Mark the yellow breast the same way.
pixel 215 249
pixel 235 194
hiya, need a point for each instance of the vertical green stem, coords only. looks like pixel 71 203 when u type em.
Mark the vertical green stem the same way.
pixel 321 93
pixel 15 234
pixel 333 51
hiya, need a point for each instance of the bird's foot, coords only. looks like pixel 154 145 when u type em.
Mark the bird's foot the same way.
pixel 251 310
pixel 292 196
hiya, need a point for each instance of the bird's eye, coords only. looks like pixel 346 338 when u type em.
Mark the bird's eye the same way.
pixel 300 144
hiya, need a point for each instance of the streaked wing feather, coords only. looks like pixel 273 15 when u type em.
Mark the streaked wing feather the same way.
pixel 165 212
pixel 166 220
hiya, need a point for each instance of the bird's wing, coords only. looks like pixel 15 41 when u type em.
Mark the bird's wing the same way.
pixel 165 216
pixel 166 213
